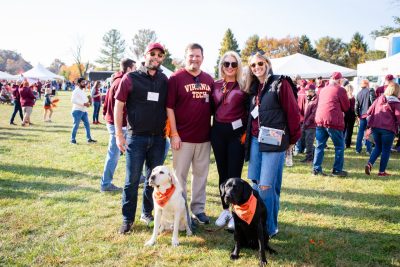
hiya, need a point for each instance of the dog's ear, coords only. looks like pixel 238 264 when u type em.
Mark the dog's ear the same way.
pixel 246 191
pixel 222 189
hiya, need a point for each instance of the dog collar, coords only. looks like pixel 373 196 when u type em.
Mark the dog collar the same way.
pixel 247 210
pixel 162 198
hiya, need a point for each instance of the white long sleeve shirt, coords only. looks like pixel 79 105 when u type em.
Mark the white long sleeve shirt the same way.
pixel 78 99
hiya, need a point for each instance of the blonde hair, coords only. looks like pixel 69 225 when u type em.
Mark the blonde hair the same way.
pixel 349 90
pixel 249 74
pixel 392 89
pixel 239 77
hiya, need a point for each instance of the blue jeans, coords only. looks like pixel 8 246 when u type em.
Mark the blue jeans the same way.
pixel 360 136
pixel 322 135
pixel 111 158
pixel 300 144
pixel 265 169
pixel 140 148
pixel 96 111
pixel 79 116
pixel 383 143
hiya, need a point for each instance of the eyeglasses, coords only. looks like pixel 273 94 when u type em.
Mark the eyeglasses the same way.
pixel 160 55
pixel 260 63
pixel 226 64
pixel 259 51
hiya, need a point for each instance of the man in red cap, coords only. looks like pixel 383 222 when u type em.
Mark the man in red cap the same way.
pixel 144 92
pixel 332 102
pixel 380 90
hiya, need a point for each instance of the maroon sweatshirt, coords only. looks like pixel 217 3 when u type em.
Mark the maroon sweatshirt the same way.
pixel 308 111
pixel 385 113
pixel 109 102
pixel 27 97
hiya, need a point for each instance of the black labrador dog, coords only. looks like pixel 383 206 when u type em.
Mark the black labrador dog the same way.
pixel 236 191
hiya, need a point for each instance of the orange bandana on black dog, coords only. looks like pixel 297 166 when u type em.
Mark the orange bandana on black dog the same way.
pixel 247 210
pixel 162 198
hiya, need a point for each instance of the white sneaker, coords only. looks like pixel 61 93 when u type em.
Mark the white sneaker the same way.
pixel 231 224
pixel 223 218
pixel 289 159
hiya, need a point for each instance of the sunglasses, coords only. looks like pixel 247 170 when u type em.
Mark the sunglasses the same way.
pixel 260 63
pixel 226 64
pixel 259 51
pixel 197 82
pixel 160 55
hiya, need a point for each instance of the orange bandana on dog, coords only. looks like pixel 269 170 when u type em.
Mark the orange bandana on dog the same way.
pixel 162 198
pixel 247 210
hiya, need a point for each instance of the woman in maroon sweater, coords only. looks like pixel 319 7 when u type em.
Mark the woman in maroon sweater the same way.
pixel 230 113
pixel 27 99
pixel 349 116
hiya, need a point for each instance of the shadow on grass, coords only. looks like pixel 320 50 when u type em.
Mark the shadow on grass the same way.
pixel 4 149
pixel 40 171
pixel 372 199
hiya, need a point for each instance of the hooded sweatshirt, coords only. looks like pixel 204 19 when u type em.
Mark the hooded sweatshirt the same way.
pixel 385 113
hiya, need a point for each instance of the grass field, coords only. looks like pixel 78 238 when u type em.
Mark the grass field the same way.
pixel 52 213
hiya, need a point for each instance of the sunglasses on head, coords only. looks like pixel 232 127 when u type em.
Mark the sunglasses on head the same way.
pixel 160 55
pixel 257 52
pixel 226 64
pixel 260 63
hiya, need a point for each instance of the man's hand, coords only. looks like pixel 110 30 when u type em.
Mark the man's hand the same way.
pixel 121 143
pixel 176 142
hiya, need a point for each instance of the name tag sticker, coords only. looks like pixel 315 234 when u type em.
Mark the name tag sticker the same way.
pixel 151 96
pixel 254 113
pixel 237 124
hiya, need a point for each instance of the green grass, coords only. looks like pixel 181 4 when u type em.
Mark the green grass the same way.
pixel 52 213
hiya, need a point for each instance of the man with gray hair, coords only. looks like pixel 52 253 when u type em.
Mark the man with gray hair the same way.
pixel 332 103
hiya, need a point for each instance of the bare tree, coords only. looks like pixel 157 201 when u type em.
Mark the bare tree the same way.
pixel 141 40
pixel 77 56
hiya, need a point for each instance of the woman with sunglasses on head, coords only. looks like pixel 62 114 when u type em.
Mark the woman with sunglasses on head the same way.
pixel 273 127
pixel 230 115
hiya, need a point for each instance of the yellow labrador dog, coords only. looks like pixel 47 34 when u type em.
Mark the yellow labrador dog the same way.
pixel 170 212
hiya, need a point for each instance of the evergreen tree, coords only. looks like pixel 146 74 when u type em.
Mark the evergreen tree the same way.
pixel 357 50
pixel 372 55
pixel 332 50
pixel 250 46
pixel 113 49
pixel 228 43
pixel 141 40
pixel 306 48
pixel 168 61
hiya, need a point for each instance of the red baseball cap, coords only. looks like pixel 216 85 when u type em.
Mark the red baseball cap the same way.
pixel 152 46
pixel 389 77
pixel 336 76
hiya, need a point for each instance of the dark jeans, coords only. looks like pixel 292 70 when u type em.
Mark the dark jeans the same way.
pixel 96 111
pixel 349 120
pixel 360 136
pixel 301 143
pixel 17 107
pixel 322 135
pixel 309 137
pixel 228 152
pixel 383 143
pixel 140 148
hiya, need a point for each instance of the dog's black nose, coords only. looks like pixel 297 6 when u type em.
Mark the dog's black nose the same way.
pixel 152 178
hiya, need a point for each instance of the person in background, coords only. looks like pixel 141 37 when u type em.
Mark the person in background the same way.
pixel 17 104
pixel 96 100
pixel 272 105
pixel 39 86
pixel 80 103
pixel 332 103
pixel 47 105
pixel 126 66
pixel 230 103
pixel 349 115
pixel 384 120
pixel 308 127
pixel 27 99
pixel 381 89
pixel 301 101
pixel 365 98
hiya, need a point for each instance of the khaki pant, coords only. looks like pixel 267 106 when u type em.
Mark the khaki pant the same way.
pixel 27 114
pixel 196 155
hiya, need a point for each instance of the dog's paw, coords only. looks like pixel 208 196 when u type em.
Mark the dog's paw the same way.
pixel 189 233
pixel 175 243
pixel 150 243
pixel 234 256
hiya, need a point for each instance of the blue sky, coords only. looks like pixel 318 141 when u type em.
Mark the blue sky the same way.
pixel 43 30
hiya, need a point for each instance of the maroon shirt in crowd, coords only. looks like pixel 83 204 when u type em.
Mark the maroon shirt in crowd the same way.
pixel 231 105
pixel 301 100
pixel 15 92
pixel 308 111
pixel 190 97
pixel 380 90
pixel 96 98
pixel 385 113
pixel 109 101
pixel 332 102
pixel 27 97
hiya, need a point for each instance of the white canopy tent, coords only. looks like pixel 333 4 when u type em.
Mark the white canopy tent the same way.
pixel 380 67
pixel 307 67
pixel 6 76
pixel 41 73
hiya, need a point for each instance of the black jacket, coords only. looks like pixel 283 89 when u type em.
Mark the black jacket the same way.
pixel 364 100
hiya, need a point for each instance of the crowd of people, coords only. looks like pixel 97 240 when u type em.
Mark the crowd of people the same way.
pixel 257 116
